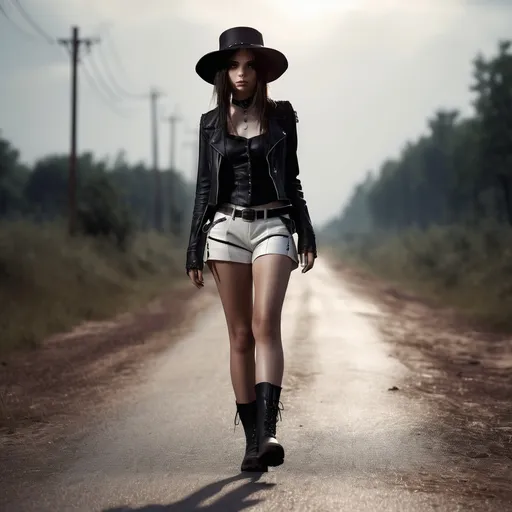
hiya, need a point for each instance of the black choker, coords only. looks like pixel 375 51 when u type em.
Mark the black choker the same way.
pixel 245 104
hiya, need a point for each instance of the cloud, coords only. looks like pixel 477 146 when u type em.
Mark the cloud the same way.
pixel 364 75
pixel 44 74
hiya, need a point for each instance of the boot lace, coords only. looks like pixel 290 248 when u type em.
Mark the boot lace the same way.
pixel 236 422
pixel 273 412
pixel 272 417
pixel 253 435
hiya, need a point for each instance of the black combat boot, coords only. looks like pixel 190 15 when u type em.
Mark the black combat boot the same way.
pixel 270 452
pixel 247 413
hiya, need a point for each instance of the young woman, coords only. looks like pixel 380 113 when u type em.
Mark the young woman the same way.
pixel 248 204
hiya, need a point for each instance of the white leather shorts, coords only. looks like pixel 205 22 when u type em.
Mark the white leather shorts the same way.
pixel 234 239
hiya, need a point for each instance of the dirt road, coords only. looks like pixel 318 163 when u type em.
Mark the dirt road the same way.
pixel 353 440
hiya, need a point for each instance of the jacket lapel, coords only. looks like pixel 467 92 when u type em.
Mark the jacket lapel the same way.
pixel 217 141
pixel 215 135
pixel 275 133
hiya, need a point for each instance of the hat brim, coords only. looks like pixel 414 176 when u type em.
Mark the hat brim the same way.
pixel 275 62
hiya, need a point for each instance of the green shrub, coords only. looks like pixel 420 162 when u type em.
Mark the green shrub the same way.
pixel 102 212
pixel 49 281
pixel 468 267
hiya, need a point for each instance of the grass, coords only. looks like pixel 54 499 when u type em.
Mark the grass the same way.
pixel 469 268
pixel 50 282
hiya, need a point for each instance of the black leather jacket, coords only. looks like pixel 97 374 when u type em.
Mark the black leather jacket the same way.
pixel 283 168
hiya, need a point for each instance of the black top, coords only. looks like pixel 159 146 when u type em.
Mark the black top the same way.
pixel 244 178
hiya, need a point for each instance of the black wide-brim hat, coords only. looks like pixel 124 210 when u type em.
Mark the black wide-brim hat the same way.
pixel 237 38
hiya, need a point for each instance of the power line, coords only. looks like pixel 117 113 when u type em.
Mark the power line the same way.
pixel 99 85
pixel 121 91
pixel 94 85
pixel 110 42
pixel 32 23
pixel 109 91
pixel 114 83
pixel 4 12
pixel 112 76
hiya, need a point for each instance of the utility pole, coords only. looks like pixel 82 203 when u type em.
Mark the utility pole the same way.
pixel 193 145
pixel 74 45
pixel 169 213
pixel 172 120
pixel 154 95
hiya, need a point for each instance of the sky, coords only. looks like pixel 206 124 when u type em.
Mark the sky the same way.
pixel 364 76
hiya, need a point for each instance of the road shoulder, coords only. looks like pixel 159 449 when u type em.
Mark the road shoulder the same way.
pixel 461 372
pixel 49 394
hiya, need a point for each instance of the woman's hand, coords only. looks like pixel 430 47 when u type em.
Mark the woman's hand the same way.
pixel 196 276
pixel 307 261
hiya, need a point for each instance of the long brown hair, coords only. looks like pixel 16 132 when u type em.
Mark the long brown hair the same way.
pixel 223 90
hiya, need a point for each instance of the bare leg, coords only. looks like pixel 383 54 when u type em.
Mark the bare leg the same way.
pixel 234 283
pixel 271 276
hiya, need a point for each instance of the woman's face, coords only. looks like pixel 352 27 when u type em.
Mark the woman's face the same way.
pixel 242 73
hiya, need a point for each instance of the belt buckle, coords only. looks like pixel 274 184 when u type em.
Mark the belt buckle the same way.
pixel 248 214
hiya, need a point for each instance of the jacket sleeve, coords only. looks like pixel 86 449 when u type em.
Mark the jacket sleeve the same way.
pixel 197 237
pixel 300 215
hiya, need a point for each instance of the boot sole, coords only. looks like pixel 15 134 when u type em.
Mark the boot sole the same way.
pixel 258 468
pixel 273 455
pixel 253 465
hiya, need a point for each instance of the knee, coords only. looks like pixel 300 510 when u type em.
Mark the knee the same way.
pixel 265 328
pixel 241 339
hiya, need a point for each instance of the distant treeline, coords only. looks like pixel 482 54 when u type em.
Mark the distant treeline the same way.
pixel 112 193
pixel 460 173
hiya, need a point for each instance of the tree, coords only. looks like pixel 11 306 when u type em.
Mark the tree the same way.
pixel 102 212
pixel 13 177
pixel 494 113
pixel 459 172
pixel 42 192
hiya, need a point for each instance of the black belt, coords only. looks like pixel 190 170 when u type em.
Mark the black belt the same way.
pixel 250 214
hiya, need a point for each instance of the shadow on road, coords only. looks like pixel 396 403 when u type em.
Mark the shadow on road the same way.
pixel 233 501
